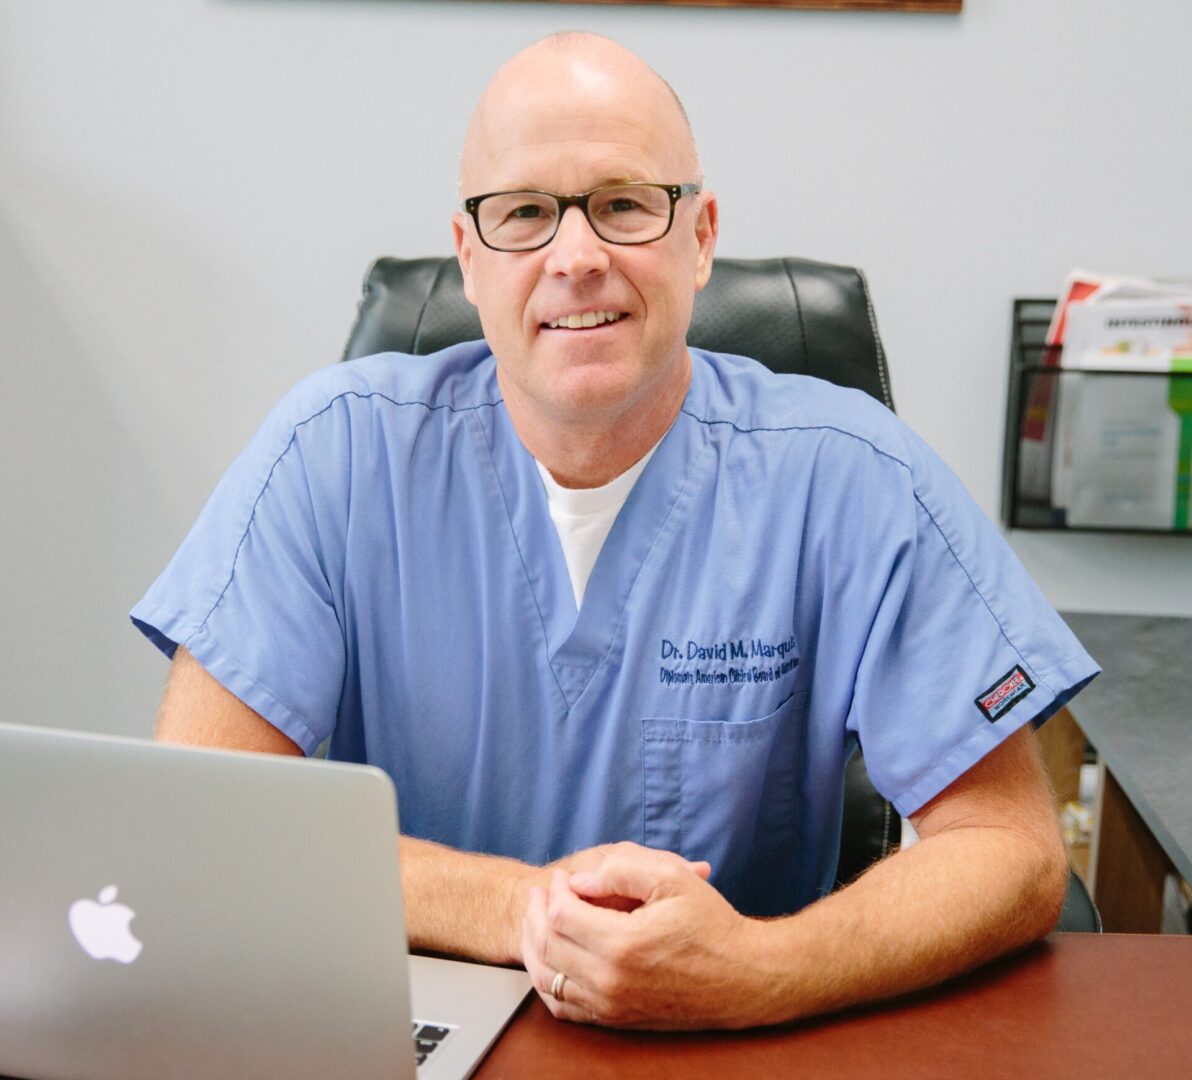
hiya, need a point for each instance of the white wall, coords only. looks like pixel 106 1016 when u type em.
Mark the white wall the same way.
pixel 191 190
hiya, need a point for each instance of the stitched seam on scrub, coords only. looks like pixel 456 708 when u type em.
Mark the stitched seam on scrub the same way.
pixel 277 461
pixel 802 427
pixel 1043 674
pixel 614 637
pixel 521 558
pixel 988 607
pixel 293 714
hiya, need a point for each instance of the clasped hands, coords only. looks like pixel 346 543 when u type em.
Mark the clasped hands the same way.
pixel 644 941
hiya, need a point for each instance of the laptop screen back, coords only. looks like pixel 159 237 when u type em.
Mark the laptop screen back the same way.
pixel 191 913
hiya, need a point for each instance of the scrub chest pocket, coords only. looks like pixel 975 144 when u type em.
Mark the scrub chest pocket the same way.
pixel 727 791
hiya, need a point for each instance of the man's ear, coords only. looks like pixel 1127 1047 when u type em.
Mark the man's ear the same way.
pixel 707 228
pixel 463 251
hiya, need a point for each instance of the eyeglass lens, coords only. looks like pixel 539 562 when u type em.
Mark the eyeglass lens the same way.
pixel 622 215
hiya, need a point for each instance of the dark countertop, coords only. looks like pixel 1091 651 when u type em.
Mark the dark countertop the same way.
pixel 1138 714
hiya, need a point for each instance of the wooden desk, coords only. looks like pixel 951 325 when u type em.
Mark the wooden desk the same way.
pixel 1138 716
pixel 1084 1006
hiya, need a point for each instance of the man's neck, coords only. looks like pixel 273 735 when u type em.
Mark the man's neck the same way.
pixel 587 450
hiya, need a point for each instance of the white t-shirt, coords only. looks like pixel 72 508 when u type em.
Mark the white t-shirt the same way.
pixel 584 516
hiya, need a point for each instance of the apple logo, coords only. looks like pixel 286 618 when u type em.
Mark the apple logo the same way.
pixel 102 928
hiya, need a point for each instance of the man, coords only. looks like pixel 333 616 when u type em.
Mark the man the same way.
pixel 547 582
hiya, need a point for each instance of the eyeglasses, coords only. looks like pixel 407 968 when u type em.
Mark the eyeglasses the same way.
pixel 636 213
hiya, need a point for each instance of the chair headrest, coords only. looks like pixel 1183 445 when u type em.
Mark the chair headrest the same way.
pixel 793 315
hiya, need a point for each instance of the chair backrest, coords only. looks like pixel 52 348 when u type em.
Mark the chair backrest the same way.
pixel 793 315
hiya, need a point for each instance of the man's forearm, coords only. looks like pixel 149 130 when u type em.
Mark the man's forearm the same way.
pixel 987 877
pixel 473 905
pixel 887 934
pixel 465 904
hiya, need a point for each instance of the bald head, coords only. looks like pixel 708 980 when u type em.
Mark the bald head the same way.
pixel 548 93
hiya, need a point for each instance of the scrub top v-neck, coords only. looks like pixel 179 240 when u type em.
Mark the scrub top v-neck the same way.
pixel 581 644
pixel 584 516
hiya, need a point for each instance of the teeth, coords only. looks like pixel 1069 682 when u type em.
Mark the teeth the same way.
pixel 587 319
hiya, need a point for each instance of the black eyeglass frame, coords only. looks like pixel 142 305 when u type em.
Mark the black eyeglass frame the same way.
pixel 674 191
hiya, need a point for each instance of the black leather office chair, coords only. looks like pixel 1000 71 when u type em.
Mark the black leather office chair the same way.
pixel 795 316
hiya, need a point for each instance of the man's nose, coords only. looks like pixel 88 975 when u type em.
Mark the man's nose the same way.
pixel 576 250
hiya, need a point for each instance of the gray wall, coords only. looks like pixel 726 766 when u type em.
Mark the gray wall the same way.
pixel 191 190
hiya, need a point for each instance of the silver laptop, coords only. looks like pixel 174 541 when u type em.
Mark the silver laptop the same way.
pixel 170 912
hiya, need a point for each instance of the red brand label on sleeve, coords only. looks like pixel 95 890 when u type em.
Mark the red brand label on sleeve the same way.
pixel 1007 692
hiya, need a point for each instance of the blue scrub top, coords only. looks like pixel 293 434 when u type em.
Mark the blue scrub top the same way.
pixel 794 571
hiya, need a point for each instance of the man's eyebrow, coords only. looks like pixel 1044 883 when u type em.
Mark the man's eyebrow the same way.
pixel 605 181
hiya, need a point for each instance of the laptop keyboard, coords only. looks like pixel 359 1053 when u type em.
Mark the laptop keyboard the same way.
pixel 428 1038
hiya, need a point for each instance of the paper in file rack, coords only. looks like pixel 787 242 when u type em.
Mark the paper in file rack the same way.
pixel 1136 334
pixel 1124 442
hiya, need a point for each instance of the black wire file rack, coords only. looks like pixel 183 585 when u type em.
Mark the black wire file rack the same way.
pixel 1093 450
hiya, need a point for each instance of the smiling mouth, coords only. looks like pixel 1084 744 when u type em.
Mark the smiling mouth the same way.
pixel 586 321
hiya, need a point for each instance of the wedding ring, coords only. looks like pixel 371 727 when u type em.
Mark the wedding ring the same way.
pixel 556 986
